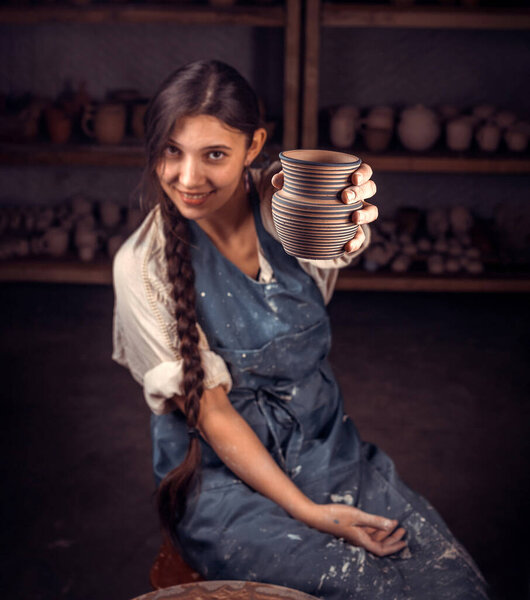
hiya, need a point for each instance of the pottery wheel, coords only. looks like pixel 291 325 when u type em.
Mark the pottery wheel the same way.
pixel 226 590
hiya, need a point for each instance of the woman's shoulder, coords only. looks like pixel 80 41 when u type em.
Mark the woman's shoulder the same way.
pixel 142 247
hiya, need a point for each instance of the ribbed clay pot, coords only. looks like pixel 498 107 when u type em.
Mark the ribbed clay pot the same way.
pixel 311 220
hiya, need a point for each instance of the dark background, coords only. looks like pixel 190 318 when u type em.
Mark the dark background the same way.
pixel 439 381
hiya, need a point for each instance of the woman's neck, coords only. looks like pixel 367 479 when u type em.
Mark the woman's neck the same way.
pixel 230 220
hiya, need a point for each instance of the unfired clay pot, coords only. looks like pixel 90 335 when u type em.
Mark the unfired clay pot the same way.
pixel 105 122
pixel 516 139
pixel 343 125
pixel 137 122
pixel 59 125
pixel 55 241
pixel 488 137
pixel 419 128
pixel 459 133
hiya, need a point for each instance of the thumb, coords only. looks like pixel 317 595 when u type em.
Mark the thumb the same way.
pixel 367 519
pixel 277 180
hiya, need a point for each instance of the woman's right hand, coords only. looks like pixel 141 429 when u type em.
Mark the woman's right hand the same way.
pixel 378 535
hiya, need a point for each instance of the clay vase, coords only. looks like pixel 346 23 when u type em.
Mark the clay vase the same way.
pixel 59 125
pixel 110 214
pixel 516 139
pixel 137 121
pixel 55 241
pixel 419 128
pixel 488 137
pixel 459 134
pixel 343 125
pixel 378 128
pixel 310 218
pixel 106 122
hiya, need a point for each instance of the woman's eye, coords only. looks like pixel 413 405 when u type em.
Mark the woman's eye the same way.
pixel 171 149
pixel 216 154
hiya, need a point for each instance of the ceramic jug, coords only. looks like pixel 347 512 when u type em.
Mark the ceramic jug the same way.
pixel 419 128
pixel 105 122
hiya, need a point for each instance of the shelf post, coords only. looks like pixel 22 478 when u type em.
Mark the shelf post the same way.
pixel 291 96
pixel 311 69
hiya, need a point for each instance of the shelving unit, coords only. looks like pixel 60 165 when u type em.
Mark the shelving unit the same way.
pixel 320 14
pixel 301 77
pixel 131 155
pixel 99 272
pixel 323 14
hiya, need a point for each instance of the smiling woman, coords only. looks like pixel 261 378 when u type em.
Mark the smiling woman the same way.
pixel 261 475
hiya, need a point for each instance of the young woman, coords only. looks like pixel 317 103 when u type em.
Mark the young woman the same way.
pixel 261 474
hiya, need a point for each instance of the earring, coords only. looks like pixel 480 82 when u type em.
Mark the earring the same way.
pixel 246 179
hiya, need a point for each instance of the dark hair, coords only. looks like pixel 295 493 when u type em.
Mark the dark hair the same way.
pixel 200 88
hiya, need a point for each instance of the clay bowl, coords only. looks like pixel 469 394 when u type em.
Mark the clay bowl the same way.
pixel 235 590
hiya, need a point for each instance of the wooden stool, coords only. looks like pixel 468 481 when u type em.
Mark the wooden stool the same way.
pixel 169 569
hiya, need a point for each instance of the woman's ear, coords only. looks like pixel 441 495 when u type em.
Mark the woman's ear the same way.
pixel 258 141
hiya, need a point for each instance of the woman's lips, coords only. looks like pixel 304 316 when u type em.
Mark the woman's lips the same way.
pixel 194 199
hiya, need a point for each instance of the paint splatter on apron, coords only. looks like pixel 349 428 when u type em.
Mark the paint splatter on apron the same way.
pixel 275 338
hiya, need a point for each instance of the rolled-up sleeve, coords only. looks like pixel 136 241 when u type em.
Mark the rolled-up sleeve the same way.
pixel 144 335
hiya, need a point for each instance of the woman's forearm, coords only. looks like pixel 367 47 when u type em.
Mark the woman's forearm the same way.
pixel 241 450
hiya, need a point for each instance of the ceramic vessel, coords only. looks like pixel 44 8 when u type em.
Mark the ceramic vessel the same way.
pixel 59 125
pixel 419 128
pixel 459 133
pixel 516 139
pixel 309 216
pixel 110 214
pixel 137 121
pixel 105 123
pixel 55 241
pixel 343 126
pixel 488 137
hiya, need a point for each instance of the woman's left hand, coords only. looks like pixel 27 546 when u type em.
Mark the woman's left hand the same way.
pixel 363 187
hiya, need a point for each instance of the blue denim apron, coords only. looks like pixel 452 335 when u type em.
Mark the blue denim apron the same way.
pixel 275 338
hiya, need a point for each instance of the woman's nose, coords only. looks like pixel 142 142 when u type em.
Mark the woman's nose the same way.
pixel 190 174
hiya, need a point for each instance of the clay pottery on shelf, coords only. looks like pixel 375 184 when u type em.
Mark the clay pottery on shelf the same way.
pixel 59 125
pixel 459 134
pixel 419 128
pixel 137 120
pixel 310 218
pixel 343 126
pixel 105 122
pixel 504 118
pixel 109 214
pixel 55 241
pixel 483 112
pixel 516 139
pixel 377 140
pixel 488 137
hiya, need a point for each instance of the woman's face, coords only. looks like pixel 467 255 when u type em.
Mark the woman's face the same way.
pixel 202 164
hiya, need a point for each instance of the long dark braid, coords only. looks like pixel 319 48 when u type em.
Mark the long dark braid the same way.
pixel 209 88
pixel 174 489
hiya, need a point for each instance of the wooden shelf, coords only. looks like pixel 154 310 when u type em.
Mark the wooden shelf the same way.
pixel 45 154
pixel 133 156
pixel 71 270
pixel 446 162
pixel 355 15
pixel 44 270
pixel 351 280
pixel 189 14
pixel 71 154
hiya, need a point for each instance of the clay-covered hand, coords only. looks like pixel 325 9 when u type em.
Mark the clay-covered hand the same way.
pixel 362 188
pixel 378 535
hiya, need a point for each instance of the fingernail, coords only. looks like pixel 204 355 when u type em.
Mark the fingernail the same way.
pixel 351 196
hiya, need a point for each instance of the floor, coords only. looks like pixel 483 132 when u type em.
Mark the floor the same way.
pixel 439 381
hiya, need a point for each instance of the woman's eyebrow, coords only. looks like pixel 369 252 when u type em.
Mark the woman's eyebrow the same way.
pixel 212 147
